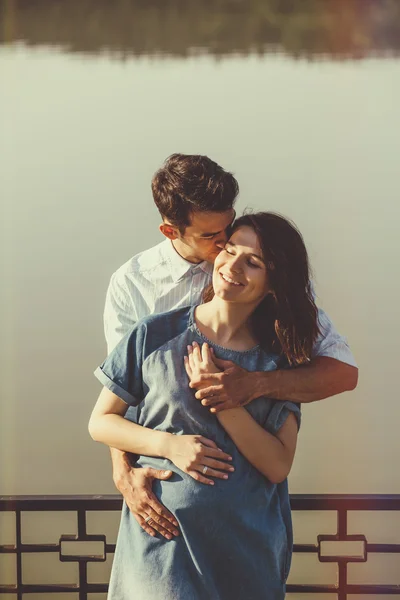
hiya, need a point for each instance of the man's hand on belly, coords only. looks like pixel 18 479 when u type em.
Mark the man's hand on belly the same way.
pixel 135 485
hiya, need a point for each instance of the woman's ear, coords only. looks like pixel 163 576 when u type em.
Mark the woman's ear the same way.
pixel 169 231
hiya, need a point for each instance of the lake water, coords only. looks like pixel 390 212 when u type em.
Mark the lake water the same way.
pixel 302 106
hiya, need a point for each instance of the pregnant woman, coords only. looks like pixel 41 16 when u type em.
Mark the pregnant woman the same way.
pixel 229 489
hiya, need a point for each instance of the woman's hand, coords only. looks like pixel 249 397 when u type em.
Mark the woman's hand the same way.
pixel 198 456
pixel 200 361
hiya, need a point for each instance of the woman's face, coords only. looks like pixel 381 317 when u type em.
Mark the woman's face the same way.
pixel 240 274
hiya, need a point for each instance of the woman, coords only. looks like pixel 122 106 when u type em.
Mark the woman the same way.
pixel 228 490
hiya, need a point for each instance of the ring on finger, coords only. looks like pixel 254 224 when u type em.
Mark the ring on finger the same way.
pixel 148 520
pixel 205 469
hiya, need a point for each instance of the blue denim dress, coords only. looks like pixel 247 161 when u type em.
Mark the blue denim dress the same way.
pixel 236 536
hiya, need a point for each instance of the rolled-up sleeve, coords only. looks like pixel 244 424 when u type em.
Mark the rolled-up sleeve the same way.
pixel 278 413
pixel 121 372
pixel 330 343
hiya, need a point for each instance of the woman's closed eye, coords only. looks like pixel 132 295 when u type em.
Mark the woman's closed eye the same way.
pixel 249 261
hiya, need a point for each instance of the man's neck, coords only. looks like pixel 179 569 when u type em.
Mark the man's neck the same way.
pixel 185 252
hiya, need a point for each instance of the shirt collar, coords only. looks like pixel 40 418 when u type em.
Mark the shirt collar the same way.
pixel 179 266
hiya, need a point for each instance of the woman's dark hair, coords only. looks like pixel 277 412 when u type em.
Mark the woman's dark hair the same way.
pixel 190 182
pixel 286 321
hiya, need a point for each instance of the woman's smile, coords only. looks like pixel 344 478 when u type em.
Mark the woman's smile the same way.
pixel 240 269
pixel 230 280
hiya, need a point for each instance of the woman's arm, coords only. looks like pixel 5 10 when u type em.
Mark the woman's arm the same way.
pixel 271 455
pixel 191 453
pixel 107 425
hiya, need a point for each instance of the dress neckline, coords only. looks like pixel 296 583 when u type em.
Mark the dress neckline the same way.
pixel 193 326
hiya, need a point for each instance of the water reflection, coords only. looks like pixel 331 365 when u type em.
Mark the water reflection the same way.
pixel 339 29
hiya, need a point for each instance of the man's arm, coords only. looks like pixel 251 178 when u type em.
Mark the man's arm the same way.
pixel 331 371
pixel 322 378
pixel 234 386
pixel 119 312
pixel 134 484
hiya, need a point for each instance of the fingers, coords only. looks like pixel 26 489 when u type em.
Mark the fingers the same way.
pixel 215 401
pixel 158 473
pixel 199 379
pixel 207 354
pixel 196 353
pixel 212 473
pixel 144 525
pixel 159 523
pixel 219 407
pixel 210 392
pixel 216 464
pixel 212 449
pixel 204 477
pixel 223 364
pixel 200 477
pixel 188 369
pixel 171 522
pixel 191 361
pixel 153 519
pixel 206 442
pixel 216 454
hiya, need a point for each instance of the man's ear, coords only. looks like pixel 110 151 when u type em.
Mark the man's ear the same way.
pixel 169 231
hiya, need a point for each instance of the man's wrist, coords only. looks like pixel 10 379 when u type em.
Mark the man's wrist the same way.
pixel 120 462
pixel 260 381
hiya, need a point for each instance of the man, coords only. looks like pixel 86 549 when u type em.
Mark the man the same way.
pixel 195 198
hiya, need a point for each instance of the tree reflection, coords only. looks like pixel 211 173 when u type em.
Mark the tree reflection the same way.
pixel 310 28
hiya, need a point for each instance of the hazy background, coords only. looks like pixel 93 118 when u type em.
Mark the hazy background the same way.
pixel 302 104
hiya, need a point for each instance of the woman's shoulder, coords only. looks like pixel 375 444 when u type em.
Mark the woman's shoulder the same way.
pixel 156 330
pixel 173 319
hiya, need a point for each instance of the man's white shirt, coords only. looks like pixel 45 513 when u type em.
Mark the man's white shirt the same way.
pixel 159 279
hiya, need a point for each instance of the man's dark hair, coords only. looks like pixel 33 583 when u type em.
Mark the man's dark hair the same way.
pixel 189 183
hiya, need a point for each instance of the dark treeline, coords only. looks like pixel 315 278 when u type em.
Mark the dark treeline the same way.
pixel 306 28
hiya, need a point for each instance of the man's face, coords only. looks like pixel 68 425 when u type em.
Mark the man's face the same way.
pixel 206 235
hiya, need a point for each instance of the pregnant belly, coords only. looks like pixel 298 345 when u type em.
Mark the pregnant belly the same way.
pixel 227 517
pixel 244 491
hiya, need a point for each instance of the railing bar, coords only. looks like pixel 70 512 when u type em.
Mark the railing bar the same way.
pixel 385 548
pixel 342 583
pixel 348 502
pixel 81 523
pixel 60 503
pixel 303 588
pixel 40 548
pixel 18 543
pixel 31 588
pixel 372 589
pixel 305 548
pixel 8 549
pixel 114 502
pixel 83 583
pixel 342 523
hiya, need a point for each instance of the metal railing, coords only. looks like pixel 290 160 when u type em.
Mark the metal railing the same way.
pixel 341 504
